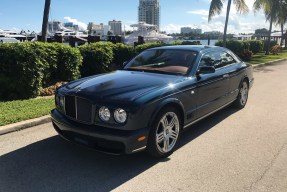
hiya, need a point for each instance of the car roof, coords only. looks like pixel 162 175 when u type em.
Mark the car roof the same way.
pixel 197 48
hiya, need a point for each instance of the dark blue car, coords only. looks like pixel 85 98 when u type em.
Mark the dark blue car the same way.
pixel 147 104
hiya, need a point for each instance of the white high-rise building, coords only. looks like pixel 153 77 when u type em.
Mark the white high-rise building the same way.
pixel 149 12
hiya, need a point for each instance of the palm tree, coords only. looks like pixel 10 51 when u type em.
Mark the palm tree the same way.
pixel 45 20
pixel 216 8
pixel 281 17
pixel 269 7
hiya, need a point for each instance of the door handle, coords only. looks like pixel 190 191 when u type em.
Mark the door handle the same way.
pixel 225 75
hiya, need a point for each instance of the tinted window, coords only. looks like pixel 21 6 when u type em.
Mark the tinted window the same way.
pixel 217 59
pixel 210 59
pixel 227 59
pixel 163 61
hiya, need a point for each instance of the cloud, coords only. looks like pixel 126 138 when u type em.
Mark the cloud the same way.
pixel 82 25
pixel 199 12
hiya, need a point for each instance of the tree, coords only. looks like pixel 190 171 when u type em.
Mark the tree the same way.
pixel 281 17
pixel 216 8
pixel 269 7
pixel 262 31
pixel 45 20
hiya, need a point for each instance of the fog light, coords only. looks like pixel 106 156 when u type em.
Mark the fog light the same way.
pixel 120 115
pixel 104 113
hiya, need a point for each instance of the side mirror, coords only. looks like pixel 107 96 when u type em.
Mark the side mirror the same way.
pixel 206 70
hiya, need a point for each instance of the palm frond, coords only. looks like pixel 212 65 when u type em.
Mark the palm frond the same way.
pixel 266 5
pixel 241 6
pixel 215 8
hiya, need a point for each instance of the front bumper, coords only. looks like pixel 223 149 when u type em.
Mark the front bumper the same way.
pixel 99 138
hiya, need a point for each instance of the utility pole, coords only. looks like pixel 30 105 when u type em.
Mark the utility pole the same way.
pixel 45 20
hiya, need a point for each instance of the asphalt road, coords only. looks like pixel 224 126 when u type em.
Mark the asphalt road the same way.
pixel 232 150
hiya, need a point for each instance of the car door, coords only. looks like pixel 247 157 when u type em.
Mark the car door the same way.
pixel 212 88
pixel 234 67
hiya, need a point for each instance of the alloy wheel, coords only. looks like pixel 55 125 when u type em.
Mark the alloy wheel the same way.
pixel 167 132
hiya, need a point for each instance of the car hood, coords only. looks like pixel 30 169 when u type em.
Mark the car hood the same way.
pixel 122 86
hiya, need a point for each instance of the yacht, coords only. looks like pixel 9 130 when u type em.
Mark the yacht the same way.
pixel 148 32
pixel 8 36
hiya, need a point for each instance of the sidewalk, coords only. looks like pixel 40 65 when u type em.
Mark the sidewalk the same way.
pixel 45 119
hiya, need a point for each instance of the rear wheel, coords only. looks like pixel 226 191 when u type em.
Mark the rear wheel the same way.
pixel 242 97
pixel 165 132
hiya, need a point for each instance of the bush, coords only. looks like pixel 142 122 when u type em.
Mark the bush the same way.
pixel 26 67
pixel 96 58
pixel 69 61
pixel 234 45
pixel 140 48
pixel 21 70
pixel 122 53
pixel 246 55
pixel 255 46
pixel 276 49
pixel 186 43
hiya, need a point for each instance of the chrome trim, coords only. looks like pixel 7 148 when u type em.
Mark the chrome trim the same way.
pixel 208 114
pixel 76 107
pixel 139 149
pixel 64 104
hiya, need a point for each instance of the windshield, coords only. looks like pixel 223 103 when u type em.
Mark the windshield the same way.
pixel 163 61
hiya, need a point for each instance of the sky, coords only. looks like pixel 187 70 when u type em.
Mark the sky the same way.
pixel 28 14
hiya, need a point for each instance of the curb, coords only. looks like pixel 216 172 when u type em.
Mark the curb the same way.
pixel 255 66
pixel 24 124
pixel 46 119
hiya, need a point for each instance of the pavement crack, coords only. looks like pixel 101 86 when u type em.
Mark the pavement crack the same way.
pixel 268 167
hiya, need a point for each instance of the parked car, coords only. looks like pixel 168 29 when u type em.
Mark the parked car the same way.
pixel 147 104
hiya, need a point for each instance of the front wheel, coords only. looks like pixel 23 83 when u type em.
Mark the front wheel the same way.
pixel 242 97
pixel 165 132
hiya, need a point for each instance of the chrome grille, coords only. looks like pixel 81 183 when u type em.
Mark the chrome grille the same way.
pixel 78 108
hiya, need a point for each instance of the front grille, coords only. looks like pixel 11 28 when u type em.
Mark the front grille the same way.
pixel 78 108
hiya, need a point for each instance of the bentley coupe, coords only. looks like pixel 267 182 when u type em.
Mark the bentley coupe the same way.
pixel 147 104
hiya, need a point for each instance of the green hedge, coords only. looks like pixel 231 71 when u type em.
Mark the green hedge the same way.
pixel 21 70
pixel 97 58
pixel 68 63
pixel 26 67
pixel 255 46
pixel 122 53
pixel 234 45
pixel 140 48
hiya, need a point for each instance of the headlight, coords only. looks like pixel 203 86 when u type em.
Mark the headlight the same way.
pixel 104 113
pixel 60 101
pixel 120 115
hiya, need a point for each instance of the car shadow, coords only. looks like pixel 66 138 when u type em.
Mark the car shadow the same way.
pixel 56 165
pixel 192 132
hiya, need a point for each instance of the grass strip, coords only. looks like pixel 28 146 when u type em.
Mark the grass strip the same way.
pixel 262 58
pixel 20 110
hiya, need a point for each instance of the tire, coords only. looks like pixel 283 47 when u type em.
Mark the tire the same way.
pixel 165 133
pixel 242 97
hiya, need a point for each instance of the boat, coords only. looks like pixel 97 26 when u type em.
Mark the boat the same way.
pixel 148 32
pixel 8 36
